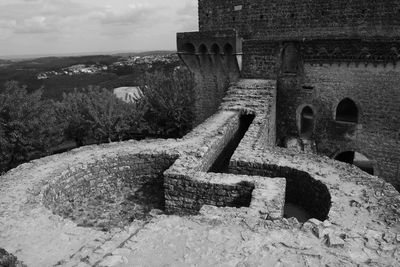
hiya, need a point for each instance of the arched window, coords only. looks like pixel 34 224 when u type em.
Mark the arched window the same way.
pixel 357 159
pixel 188 48
pixel 203 49
pixel 306 122
pixel 228 49
pixel 347 111
pixel 215 49
pixel 289 59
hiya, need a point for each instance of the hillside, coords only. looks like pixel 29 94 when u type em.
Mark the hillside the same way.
pixel 57 75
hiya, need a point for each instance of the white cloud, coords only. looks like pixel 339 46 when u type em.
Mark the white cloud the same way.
pixel 132 15
pixel 187 16
pixel 87 25
pixel 38 24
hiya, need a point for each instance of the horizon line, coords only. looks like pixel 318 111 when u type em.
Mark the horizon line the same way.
pixel 68 54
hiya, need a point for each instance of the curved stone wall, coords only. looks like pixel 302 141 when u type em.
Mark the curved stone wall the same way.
pixel 301 188
pixel 111 191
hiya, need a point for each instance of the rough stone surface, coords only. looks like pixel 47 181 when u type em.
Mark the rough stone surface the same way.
pixel 103 205
pixel 250 234
pixel 277 19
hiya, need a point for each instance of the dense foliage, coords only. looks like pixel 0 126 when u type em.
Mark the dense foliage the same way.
pixel 170 101
pixel 9 260
pixel 96 114
pixel 32 126
pixel 28 125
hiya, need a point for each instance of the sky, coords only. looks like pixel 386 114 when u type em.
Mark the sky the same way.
pixel 35 27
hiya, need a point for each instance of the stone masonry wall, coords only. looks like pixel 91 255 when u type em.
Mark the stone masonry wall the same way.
pixel 260 59
pixel 211 84
pixel 259 19
pixel 189 185
pixel 374 89
pixel 301 188
pixel 187 196
pixel 214 69
pixel 110 192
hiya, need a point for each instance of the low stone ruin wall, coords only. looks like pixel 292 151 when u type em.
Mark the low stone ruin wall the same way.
pixel 111 191
pixel 301 189
pixel 187 196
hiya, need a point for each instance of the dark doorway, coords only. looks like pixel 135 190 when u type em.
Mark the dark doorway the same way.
pixel 357 159
pixel 347 111
pixel 307 122
pixel 347 157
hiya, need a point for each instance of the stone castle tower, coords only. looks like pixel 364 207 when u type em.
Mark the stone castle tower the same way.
pixel 336 65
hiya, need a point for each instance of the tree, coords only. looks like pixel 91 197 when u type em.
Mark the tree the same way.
pixel 97 114
pixel 170 102
pixel 28 126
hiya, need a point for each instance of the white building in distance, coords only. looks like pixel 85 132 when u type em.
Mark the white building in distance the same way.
pixel 128 94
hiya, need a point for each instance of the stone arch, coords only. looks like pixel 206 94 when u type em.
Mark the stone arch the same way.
pixel 357 159
pixel 228 49
pixel 307 122
pixel 290 59
pixel 215 49
pixel 188 48
pixel 347 111
pixel 203 49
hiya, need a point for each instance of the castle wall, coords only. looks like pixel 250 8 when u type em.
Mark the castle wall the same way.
pixel 212 57
pixel 259 19
pixel 260 59
pixel 375 91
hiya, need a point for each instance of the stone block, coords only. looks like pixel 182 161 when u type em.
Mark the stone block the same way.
pixel 334 241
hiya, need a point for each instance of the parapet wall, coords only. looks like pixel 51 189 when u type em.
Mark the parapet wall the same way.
pixel 294 19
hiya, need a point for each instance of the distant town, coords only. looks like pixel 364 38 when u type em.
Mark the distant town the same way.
pixel 57 75
pixel 130 61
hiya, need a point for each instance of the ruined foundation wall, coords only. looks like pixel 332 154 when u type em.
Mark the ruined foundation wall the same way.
pixel 186 195
pixel 107 192
pixel 375 91
pixel 301 188
pixel 259 19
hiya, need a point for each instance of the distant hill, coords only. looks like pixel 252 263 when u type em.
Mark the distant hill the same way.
pixel 52 63
pixel 146 53
pixel 107 71
pixel 110 53
pixel 4 61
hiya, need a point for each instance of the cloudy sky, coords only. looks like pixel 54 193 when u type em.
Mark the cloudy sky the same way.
pixel 67 26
